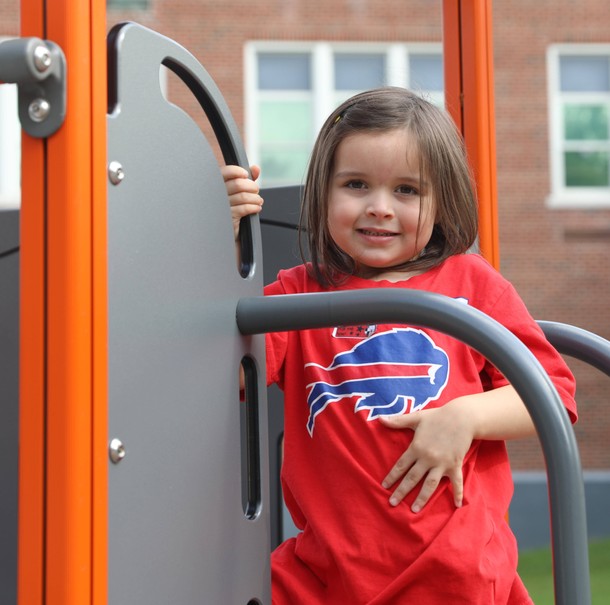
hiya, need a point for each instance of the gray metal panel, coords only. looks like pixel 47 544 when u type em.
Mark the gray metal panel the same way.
pixel 9 402
pixel 177 529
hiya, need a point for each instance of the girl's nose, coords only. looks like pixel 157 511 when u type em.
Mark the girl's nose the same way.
pixel 380 205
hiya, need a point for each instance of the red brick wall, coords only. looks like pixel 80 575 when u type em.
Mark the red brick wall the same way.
pixel 557 259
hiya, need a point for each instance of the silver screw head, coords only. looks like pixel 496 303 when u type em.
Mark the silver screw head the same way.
pixel 116 450
pixel 115 172
pixel 42 58
pixel 39 110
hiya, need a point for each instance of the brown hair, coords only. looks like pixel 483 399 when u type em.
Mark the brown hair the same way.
pixel 442 161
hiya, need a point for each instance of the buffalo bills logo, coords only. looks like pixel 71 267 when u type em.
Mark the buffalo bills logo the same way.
pixel 391 372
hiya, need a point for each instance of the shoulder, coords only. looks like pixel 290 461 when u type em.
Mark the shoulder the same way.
pixel 472 278
pixel 471 263
pixel 293 281
pixel 471 268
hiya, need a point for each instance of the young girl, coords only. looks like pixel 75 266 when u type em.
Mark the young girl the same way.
pixel 395 467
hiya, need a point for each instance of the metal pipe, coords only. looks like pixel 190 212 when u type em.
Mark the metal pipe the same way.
pixel 578 343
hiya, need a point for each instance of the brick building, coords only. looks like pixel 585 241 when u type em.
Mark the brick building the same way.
pixel 282 64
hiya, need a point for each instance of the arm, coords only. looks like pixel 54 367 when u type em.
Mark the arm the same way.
pixel 444 435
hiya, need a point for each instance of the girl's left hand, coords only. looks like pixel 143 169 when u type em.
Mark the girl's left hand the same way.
pixel 243 192
pixel 442 438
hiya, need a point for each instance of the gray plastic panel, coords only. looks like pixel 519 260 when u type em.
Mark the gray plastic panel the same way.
pixel 177 529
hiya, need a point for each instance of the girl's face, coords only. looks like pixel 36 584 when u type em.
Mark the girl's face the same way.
pixel 374 203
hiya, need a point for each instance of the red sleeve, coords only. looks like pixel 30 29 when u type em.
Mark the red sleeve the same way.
pixel 511 312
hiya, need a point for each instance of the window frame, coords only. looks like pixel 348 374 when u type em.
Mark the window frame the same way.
pixel 323 94
pixel 561 196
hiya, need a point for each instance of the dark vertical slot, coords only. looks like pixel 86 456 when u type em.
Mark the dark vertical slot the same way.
pixel 250 442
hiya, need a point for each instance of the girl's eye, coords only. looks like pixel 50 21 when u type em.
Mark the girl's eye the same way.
pixel 355 185
pixel 407 190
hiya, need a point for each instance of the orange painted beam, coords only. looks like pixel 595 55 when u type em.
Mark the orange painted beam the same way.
pixel 69 328
pixel 99 105
pixel 62 542
pixel 469 89
pixel 30 554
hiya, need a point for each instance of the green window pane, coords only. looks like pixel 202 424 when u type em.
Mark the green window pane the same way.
pixel 285 121
pixel 587 169
pixel 586 122
pixel 284 166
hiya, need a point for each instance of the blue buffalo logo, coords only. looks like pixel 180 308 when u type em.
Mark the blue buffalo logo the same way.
pixel 391 372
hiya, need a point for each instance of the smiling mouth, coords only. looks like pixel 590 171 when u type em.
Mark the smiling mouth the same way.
pixel 376 233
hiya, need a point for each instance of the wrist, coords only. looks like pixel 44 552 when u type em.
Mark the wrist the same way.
pixel 465 415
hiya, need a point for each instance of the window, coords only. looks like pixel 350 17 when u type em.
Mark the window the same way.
pixel 292 87
pixel 579 113
pixel 127 4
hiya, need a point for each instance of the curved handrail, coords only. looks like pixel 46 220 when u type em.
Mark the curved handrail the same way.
pixel 184 64
pixel 578 343
pixel 504 350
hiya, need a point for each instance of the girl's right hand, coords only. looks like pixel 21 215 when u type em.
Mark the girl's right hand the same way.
pixel 243 192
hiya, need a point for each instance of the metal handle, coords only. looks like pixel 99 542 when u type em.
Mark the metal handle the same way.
pixel 578 343
pixel 503 350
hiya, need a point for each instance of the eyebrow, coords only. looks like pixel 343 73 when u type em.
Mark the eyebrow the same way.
pixel 355 173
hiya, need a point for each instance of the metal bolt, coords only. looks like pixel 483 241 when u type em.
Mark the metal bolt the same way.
pixel 39 110
pixel 116 450
pixel 115 172
pixel 42 58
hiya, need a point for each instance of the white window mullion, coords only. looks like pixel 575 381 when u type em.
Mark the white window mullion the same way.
pixel 397 66
pixel 323 83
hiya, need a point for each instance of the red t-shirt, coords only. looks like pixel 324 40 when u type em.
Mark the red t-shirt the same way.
pixel 354 548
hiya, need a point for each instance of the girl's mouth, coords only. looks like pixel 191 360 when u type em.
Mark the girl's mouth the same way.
pixel 376 233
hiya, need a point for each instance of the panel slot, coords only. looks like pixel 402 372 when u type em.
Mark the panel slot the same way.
pixel 250 441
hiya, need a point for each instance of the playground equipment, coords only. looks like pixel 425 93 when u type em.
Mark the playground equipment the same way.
pixel 139 479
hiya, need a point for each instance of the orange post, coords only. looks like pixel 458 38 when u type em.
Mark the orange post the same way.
pixel 469 93
pixel 99 105
pixel 62 541
pixel 32 365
